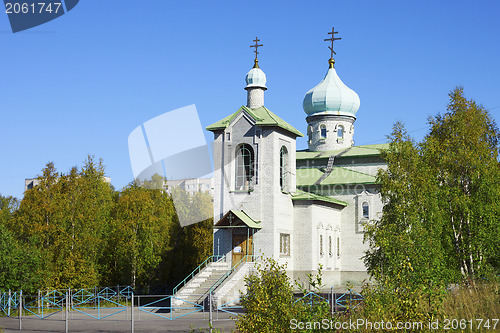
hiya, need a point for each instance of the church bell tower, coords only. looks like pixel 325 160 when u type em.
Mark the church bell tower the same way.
pixel 256 82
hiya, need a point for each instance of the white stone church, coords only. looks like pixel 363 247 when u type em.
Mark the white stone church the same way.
pixel 303 208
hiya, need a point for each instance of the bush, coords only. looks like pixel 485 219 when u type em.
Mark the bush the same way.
pixel 269 303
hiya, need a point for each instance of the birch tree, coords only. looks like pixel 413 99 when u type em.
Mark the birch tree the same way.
pixel 441 216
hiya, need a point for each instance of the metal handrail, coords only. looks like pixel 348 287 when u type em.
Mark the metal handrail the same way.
pixel 225 276
pixel 197 270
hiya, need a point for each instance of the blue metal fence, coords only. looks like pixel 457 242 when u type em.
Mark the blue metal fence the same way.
pixel 9 302
pixel 348 300
pixel 44 305
pixel 100 303
pixel 162 306
pixel 233 307
pixel 49 302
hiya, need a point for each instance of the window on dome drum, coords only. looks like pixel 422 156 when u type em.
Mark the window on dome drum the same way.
pixel 321 244
pixel 244 167
pixel 366 210
pixel 340 132
pixel 285 244
pixel 323 131
pixel 309 133
pixel 283 168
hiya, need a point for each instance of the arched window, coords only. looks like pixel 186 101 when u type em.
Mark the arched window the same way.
pixel 340 132
pixel 366 210
pixel 244 167
pixel 323 131
pixel 309 133
pixel 330 253
pixel 283 168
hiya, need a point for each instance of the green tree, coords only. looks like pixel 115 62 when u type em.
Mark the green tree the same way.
pixel 463 147
pixel 193 243
pixel 8 205
pixel 156 182
pixel 440 218
pixel 20 266
pixel 66 217
pixel 268 302
pixel 82 233
pixel 141 233
pixel 270 305
pixel 404 242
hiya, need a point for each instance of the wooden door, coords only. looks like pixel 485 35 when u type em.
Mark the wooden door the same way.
pixel 241 247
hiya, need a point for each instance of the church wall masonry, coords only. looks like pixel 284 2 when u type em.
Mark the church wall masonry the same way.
pixel 316 243
pixel 329 132
pixel 281 208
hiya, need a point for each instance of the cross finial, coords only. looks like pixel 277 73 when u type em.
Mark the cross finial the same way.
pixel 332 39
pixel 256 45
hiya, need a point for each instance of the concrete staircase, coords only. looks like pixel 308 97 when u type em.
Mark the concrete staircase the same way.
pixel 228 290
pixel 195 290
pixel 234 286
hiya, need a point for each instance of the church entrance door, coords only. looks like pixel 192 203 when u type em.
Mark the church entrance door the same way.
pixel 242 246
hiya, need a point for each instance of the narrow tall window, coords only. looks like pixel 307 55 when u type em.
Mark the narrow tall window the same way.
pixel 340 132
pixel 283 168
pixel 309 133
pixel 244 167
pixel 330 253
pixel 366 210
pixel 285 244
pixel 338 247
pixel 321 244
pixel 323 131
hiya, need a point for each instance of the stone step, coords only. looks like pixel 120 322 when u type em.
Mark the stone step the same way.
pixel 201 283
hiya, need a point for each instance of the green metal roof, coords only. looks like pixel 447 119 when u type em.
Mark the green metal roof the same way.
pixel 367 150
pixel 307 176
pixel 338 175
pixel 224 222
pixel 246 219
pixel 262 117
pixel 301 195
pixel 346 176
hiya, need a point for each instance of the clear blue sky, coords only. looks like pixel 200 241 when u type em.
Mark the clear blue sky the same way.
pixel 80 84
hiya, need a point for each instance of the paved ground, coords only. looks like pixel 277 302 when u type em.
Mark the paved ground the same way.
pixel 121 322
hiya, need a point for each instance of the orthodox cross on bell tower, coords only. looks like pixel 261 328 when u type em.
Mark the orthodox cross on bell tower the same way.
pixel 256 46
pixel 332 39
